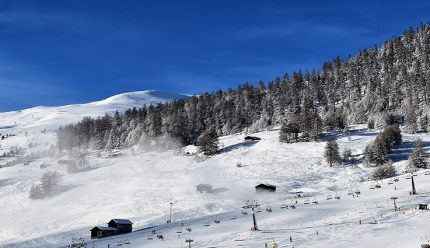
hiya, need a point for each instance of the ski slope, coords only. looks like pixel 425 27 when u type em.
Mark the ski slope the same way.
pixel 140 184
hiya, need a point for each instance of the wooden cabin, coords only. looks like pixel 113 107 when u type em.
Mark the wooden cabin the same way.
pixel 101 232
pixel 123 225
pixel 423 206
pixel 263 188
pixel 251 138
pixel 115 226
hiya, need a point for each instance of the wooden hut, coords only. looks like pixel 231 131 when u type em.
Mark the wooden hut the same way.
pixel 262 188
pixel 251 138
pixel 123 225
pixel 101 232
pixel 423 206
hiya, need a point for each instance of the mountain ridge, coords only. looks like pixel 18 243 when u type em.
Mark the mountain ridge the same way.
pixel 47 117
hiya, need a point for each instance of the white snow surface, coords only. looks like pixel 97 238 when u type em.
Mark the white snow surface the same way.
pixel 38 118
pixel 141 182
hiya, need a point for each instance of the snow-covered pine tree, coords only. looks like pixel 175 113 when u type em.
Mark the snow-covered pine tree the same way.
pixel 208 142
pixel 331 153
pixel 418 157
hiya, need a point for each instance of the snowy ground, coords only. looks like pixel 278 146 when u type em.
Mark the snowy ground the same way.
pixel 140 184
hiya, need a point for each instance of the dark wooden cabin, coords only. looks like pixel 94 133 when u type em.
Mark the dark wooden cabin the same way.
pixel 101 232
pixel 264 188
pixel 251 138
pixel 423 206
pixel 123 225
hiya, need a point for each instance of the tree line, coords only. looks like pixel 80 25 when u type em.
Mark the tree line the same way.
pixel 379 85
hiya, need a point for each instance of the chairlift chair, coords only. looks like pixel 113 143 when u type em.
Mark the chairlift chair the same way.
pixel 258 210
pixel 390 182
pixel 329 197
pixel 408 176
pixel 179 230
pixel 378 186
pixel 357 191
pixel 150 237
pixel 427 172
pixel 207 224
pixel 268 208
pixel 188 229
pixel 372 186
pixel 306 201
pixel 350 192
pixel 315 201
pixel 337 196
pixel 127 242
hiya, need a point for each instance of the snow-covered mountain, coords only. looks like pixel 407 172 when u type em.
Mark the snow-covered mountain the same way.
pixel 140 182
pixel 53 117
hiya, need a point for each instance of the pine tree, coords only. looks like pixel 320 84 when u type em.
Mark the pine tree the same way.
pixel 376 153
pixel 418 157
pixel 208 142
pixel 331 153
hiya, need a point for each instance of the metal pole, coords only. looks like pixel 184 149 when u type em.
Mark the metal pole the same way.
pixel 414 191
pixel 394 198
pixel 254 219
pixel 170 218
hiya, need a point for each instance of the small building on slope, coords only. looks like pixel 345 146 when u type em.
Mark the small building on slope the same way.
pixel 115 227
pixel 265 188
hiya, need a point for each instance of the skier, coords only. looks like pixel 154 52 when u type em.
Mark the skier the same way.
pixel 291 240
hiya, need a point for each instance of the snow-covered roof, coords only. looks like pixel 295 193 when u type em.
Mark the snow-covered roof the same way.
pixel 122 221
pixel 103 228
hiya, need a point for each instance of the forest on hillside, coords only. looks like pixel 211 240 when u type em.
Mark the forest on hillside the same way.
pixel 379 86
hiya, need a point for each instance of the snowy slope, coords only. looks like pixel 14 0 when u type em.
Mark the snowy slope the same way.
pixel 38 118
pixel 140 185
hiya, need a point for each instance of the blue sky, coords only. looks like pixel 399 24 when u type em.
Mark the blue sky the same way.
pixel 59 52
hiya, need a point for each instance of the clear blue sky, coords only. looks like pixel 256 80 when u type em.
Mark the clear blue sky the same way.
pixel 58 52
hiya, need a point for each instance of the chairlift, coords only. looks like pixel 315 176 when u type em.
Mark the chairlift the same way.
pixel 396 179
pixel 357 191
pixel 329 197
pixel 414 174
pixel 306 201
pixel 427 172
pixel 233 218
pixel 408 176
pixel 207 224
pixel 126 242
pixel 268 208
pixel 350 192
pixel 378 186
pixel 150 237
pixel 390 182
pixel 188 229
pixel 259 210
pixel 372 186
pixel 315 201
pixel 179 230
pixel 244 213
pixel 119 243
pixel 217 221
pixel 337 196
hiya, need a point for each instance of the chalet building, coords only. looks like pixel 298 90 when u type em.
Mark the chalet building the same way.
pixel 264 188
pixel 101 232
pixel 251 138
pixel 115 227
pixel 423 206
pixel 123 225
